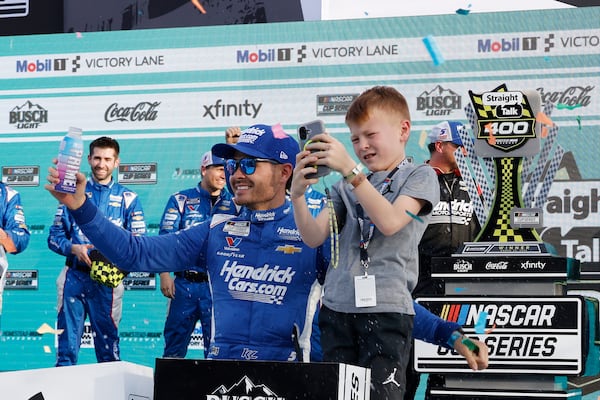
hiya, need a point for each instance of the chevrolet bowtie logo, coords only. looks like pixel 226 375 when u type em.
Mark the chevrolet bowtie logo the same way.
pixel 288 249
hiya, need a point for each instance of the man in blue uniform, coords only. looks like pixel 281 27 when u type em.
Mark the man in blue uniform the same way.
pixel 262 276
pixel 14 234
pixel 78 294
pixel 189 292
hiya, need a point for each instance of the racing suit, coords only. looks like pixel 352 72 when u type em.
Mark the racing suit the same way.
pixel 261 275
pixel 192 301
pixel 13 218
pixel 13 223
pixel 78 294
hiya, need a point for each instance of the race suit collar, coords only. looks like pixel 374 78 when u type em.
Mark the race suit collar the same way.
pixel 273 214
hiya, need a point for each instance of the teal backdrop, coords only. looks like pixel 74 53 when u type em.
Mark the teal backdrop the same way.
pixel 168 95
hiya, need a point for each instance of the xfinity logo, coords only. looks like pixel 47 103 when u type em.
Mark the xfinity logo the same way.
pixel 220 109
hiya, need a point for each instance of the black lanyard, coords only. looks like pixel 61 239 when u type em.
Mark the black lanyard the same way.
pixel 366 226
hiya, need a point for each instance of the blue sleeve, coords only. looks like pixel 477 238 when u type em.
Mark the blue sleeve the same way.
pixel 172 252
pixel 59 235
pixel 13 220
pixel 430 328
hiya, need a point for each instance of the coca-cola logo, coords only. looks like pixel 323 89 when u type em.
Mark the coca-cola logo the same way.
pixel 571 96
pixel 500 265
pixel 143 111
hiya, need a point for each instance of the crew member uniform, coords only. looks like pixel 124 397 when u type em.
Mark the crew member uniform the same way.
pixel 78 294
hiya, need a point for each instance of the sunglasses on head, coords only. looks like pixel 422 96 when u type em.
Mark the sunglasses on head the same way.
pixel 246 165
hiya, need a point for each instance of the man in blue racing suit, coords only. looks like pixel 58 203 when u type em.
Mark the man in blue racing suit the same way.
pixel 78 294
pixel 14 234
pixel 189 293
pixel 261 274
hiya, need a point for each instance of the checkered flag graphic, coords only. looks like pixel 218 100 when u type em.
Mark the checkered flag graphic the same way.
pixel 104 271
pixel 538 168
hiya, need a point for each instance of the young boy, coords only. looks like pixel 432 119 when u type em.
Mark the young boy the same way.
pixel 367 313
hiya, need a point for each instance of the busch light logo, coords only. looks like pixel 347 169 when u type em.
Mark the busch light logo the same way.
pixel 439 101
pixel 244 389
pixel 28 116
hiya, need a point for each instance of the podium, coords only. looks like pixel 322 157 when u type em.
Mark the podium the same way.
pixel 531 308
pixel 186 379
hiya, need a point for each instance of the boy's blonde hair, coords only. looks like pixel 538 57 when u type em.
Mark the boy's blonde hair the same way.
pixel 382 97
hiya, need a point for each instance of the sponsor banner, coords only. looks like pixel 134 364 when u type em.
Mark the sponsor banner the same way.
pixel 494 267
pixel 258 380
pixel 136 174
pixel 335 104
pixel 26 175
pixel 542 335
pixel 298 54
pixel 140 281
pixel 21 279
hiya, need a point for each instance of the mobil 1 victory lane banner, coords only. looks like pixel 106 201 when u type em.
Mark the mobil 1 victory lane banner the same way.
pixel 168 95
pixel 542 335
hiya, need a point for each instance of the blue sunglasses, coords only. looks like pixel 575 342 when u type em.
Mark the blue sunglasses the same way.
pixel 246 165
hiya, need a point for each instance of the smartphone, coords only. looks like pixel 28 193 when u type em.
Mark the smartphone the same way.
pixel 305 133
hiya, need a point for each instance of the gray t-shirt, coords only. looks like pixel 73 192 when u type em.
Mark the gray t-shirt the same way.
pixel 394 259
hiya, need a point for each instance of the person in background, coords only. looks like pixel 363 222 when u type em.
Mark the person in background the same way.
pixel 452 223
pixel 80 296
pixel 367 313
pixel 189 293
pixel 14 233
pixel 232 134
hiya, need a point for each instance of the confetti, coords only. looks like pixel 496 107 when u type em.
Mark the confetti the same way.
pixel 423 139
pixel 45 328
pixel 480 324
pixel 198 6
pixel 433 50
pixel 579 122
pixel 562 106
pixel 544 119
pixel 47 349
pixel 414 216
pixel 490 330
pixel 492 138
pixel 462 11
pixel 78 35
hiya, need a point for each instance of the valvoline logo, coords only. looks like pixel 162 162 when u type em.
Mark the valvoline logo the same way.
pixel 233 242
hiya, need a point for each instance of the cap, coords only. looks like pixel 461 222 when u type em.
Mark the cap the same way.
pixel 262 141
pixel 209 159
pixel 447 131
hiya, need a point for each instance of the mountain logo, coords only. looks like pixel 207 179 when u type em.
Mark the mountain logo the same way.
pixel 245 389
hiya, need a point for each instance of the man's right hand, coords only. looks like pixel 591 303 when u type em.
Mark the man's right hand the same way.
pixel 71 200
pixel 167 285
pixel 81 252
